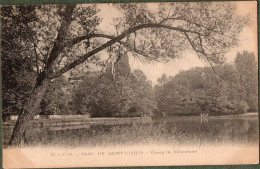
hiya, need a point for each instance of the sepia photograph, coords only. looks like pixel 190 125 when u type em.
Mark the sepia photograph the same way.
pixel 129 84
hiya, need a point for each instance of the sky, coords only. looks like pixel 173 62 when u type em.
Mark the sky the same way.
pixel 247 41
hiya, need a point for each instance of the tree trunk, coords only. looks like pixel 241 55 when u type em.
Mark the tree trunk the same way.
pixel 30 109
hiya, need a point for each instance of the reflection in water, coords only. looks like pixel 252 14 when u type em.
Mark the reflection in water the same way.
pixel 164 131
pixel 219 130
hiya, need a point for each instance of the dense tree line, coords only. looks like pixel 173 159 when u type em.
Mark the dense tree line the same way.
pixel 126 94
pixel 121 93
pixel 227 89
pixel 107 97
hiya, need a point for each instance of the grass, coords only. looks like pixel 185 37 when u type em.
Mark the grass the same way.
pixel 100 135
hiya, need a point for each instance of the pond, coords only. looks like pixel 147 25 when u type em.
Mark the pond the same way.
pixel 165 131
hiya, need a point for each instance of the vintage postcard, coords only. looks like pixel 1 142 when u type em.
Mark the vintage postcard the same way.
pixel 129 84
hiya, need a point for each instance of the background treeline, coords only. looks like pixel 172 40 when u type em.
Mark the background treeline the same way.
pixel 227 89
pixel 118 92
pixel 108 97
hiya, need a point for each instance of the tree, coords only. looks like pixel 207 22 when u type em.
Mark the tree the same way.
pixel 103 97
pixel 126 94
pixel 67 36
pixel 162 79
pixel 144 100
pixel 57 98
pixel 18 75
pixel 201 90
pixel 246 66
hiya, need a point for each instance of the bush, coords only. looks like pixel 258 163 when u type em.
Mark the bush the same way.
pixel 242 107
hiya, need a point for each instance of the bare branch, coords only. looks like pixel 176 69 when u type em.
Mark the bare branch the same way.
pixel 203 53
pixel 198 25
pixel 44 56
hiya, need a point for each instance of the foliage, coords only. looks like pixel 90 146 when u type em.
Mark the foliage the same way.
pixel 209 29
pixel 57 98
pixel 246 66
pixel 103 97
pixel 118 96
pixel 144 100
pixel 18 75
pixel 69 35
pixel 200 90
pixel 242 107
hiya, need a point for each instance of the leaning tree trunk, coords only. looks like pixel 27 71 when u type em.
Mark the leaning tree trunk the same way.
pixel 30 109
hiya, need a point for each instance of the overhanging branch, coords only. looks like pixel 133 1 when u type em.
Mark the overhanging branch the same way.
pixel 113 41
pixel 201 51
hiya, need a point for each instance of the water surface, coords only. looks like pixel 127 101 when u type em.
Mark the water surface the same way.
pixel 165 131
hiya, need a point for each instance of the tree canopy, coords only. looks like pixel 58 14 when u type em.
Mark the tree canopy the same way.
pixel 17 66
pixel 199 90
pixel 125 94
pixel 68 35
pixel 246 66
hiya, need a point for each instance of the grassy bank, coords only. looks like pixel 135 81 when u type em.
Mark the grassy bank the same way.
pixel 100 135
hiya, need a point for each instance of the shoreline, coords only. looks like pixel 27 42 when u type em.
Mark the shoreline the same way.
pixel 100 120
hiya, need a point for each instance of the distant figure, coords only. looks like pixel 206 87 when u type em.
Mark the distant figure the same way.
pixel 204 111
